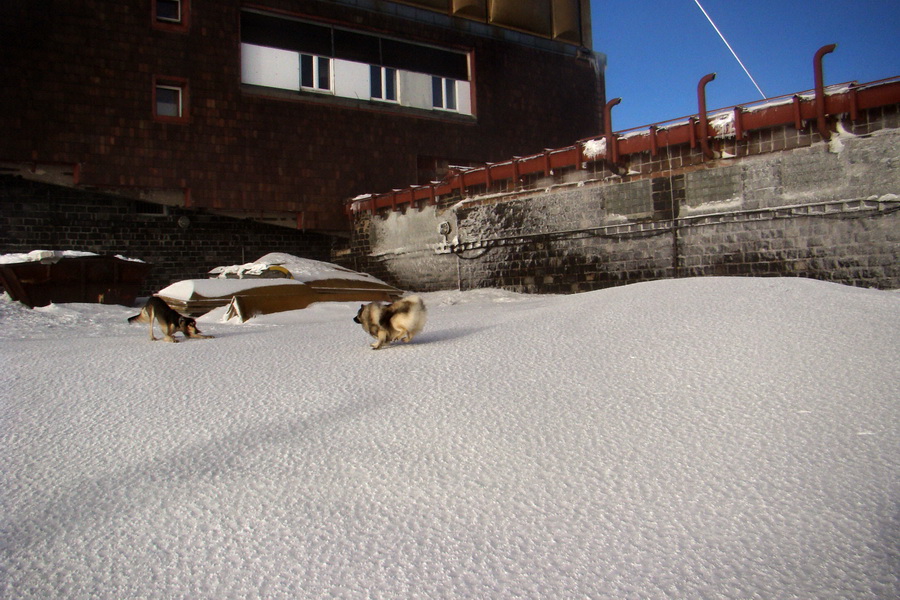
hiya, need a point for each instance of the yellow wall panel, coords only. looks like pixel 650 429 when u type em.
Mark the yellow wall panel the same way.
pixel 475 9
pixel 533 16
pixel 567 20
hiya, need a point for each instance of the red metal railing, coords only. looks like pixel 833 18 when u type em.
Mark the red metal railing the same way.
pixel 810 106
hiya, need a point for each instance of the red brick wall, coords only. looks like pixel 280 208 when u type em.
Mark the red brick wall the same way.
pixel 78 88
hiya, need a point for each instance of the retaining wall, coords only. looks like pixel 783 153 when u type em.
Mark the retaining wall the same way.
pixel 180 243
pixel 804 207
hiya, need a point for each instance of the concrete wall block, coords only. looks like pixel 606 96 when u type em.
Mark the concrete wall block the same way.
pixel 873 162
pixel 814 174
pixel 630 198
pixel 761 182
pixel 712 185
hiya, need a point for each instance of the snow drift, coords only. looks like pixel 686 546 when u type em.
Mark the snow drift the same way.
pixel 677 439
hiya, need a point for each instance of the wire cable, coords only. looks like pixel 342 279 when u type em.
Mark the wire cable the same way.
pixel 708 18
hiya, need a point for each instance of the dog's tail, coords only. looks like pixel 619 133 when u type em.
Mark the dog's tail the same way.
pixel 138 318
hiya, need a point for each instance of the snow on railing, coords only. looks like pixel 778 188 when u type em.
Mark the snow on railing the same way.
pixel 610 148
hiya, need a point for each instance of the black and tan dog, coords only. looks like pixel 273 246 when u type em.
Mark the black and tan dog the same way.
pixel 401 320
pixel 170 321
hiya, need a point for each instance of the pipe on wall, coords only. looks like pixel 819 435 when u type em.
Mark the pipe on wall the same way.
pixel 821 123
pixel 704 121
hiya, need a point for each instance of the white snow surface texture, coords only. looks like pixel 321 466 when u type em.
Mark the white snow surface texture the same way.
pixel 697 438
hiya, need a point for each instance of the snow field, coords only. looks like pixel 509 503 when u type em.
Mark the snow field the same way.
pixel 692 438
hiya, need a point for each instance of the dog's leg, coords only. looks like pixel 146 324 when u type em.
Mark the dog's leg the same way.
pixel 167 332
pixel 151 317
pixel 382 339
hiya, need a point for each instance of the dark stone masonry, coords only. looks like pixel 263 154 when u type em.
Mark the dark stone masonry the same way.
pixel 781 203
pixel 179 243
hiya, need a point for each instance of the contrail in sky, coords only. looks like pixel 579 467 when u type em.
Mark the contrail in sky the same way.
pixel 730 48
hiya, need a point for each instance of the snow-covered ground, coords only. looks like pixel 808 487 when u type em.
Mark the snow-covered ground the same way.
pixel 699 438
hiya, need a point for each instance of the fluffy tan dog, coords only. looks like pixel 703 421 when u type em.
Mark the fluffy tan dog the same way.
pixel 401 320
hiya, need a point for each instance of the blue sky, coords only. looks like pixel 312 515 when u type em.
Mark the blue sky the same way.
pixel 657 50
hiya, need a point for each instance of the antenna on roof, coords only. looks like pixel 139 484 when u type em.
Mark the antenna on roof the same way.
pixel 708 18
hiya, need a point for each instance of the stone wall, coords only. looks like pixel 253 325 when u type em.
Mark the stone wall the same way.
pixel 825 210
pixel 179 243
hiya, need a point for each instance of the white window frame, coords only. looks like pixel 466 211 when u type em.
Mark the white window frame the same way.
pixel 317 62
pixel 449 96
pixel 179 107
pixel 386 74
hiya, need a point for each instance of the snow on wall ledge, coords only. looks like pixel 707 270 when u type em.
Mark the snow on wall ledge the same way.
pixel 824 210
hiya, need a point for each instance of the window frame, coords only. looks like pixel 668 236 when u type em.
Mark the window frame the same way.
pixel 384 74
pixel 317 62
pixel 443 102
pixel 180 25
pixel 181 86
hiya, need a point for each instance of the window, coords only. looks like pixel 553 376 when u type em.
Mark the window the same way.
pixel 384 83
pixel 170 100
pixel 315 72
pixel 443 93
pixel 168 10
pixel 171 15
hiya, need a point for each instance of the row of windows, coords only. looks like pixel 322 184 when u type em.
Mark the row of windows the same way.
pixel 393 66
pixel 333 42
pixel 315 74
pixel 288 70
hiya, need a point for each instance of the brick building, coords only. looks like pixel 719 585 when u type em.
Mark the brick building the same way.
pixel 280 110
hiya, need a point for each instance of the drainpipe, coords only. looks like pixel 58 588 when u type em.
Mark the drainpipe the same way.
pixel 821 123
pixel 612 151
pixel 704 122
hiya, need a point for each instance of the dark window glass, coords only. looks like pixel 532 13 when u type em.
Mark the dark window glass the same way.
pixel 423 59
pixel 306 71
pixel 168 101
pixel 324 82
pixel 357 47
pixel 375 81
pixel 437 92
pixel 450 95
pixel 390 84
pixel 286 34
pixel 168 10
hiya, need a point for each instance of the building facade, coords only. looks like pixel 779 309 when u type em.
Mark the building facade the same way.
pixel 281 110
